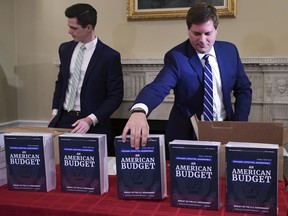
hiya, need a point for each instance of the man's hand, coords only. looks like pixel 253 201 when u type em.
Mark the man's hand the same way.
pixel 82 125
pixel 139 130
pixel 52 117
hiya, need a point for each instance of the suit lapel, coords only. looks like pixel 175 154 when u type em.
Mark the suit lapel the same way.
pixel 93 61
pixel 194 61
pixel 223 68
pixel 68 56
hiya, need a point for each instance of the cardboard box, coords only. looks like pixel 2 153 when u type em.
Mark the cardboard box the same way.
pixel 285 166
pixel 258 132
pixel 55 131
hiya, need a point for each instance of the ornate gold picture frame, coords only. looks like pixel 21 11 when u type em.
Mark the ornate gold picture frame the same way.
pixel 173 9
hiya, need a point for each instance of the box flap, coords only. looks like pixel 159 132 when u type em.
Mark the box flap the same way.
pixel 259 132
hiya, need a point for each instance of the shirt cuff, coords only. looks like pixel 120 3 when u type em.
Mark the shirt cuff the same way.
pixel 54 112
pixel 141 106
pixel 94 119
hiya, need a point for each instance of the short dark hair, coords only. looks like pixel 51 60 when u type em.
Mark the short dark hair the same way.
pixel 200 13
pixel 85 14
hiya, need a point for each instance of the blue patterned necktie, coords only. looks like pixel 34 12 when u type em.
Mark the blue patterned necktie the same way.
pixel 75 79
pixel 208 90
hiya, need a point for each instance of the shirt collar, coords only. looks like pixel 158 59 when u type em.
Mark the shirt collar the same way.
pixel 210 53
pixel 90 45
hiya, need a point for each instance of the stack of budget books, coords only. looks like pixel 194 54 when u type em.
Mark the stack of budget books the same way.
pixel 251 178
pixel 194 174
pixel 83 163
pixel 3 174
pixel 141 173
pixel 30 161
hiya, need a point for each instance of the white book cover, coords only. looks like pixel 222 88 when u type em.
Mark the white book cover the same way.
pixel 3 174
pixel 2 141
pixel 2 156
pixel 83 163
pixel 30 161
pixel 3 171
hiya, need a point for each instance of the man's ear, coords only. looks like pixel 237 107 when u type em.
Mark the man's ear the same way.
pixel 89 27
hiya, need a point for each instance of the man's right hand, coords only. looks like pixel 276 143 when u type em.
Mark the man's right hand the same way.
pixel 139 130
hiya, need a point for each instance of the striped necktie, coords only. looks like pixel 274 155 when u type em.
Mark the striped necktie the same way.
pixel 208 90
pixel 75 79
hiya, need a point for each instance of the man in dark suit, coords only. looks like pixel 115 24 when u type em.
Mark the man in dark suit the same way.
pixel 183 72
pixel 99 91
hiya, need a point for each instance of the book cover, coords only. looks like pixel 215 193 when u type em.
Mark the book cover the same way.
pixel 251 178
pixel 194 174
pixel 30 161
pixel 83 163
pixel 141 174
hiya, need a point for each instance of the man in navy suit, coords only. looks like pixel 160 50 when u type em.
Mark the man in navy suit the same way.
pixel 100 89
pixel 183 72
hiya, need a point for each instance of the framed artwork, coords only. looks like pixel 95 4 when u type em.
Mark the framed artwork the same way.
pixel 173 9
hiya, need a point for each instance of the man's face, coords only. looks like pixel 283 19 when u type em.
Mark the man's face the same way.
pixel 78 33
pixel 202 36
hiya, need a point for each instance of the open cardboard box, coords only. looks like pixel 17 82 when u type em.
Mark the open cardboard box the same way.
pixel 32 129
pixel 257 132
pixel 285 166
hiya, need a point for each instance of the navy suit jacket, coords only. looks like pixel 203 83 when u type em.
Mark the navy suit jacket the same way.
pixel 183 72
pixel 102 89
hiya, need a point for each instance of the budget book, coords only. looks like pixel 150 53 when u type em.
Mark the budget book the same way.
pixel 83 163
pixel 141 173
pixel 30 161
pixel 194 174
pixel 251 178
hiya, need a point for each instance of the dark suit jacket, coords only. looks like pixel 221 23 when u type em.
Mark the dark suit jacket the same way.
pixel 102 89
pixel 183 72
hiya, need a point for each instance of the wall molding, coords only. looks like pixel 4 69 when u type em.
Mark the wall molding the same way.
pixel 246 60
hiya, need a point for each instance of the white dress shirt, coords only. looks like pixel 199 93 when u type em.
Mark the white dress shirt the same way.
pixel 219 113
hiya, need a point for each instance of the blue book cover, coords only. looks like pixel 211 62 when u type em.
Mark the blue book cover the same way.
pixel 194 174
pixel 141 174
pixel 83 163
pixel 30 161
pixel 251 178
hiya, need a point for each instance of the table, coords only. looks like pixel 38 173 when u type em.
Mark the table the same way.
pixel 18 203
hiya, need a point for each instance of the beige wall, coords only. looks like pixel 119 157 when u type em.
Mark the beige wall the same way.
pixel 8 94
pixel 39 26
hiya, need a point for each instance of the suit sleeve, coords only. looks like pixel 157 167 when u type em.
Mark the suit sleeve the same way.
pixel 155 92
pixel 114 88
